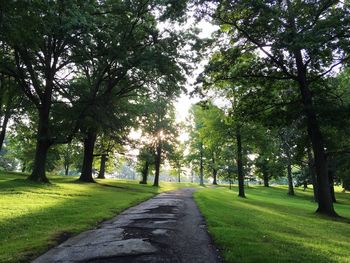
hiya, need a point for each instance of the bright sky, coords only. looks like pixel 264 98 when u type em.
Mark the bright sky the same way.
pixel 184 103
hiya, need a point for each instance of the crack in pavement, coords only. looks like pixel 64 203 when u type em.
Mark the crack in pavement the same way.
pixel 166 228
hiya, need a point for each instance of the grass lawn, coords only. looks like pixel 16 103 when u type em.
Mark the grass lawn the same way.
pixel 35 217
pixel 270 226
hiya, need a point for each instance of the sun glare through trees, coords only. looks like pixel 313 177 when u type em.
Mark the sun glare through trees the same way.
pixel 240 107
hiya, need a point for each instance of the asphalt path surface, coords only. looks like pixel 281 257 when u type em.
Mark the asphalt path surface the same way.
pixel 166 228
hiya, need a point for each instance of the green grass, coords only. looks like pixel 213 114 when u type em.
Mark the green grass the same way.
pixel 35 217
pixel 270 226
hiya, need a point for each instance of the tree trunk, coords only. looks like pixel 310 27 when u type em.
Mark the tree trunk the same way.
pixel 101 174
pixel 240 163
pixel 145 173
pixel 305 184
pixel 265 178
pixel 325 204
pixel 89 144
pixel 312 173
pixel 179 177
pixel 215 173
pixel 157 162
pixel 331 184
pixel 24 166
pixel 66 169
pixel 289 170
pixel 201 174
pixel 290 179
pixel 4 125
pixel 332 191
pixel 42 147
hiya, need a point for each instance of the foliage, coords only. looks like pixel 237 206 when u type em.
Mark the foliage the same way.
pixel 86 58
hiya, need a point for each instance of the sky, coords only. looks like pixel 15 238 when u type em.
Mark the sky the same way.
pixel 184 103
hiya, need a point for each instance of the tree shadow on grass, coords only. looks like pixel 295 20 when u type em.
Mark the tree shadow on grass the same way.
pixel 10 184
pixel 258 232
pixel 264 194
pixel 270 246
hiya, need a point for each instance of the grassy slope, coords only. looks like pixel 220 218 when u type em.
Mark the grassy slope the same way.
pixel 35 217
pixel 270 226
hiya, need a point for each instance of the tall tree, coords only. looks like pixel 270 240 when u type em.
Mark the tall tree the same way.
pixel 209 131
pixel 39 35
pixel 266 145
pixel 239 163
pixel 137 57
pixel 286 138
pixel 213 132
pixel 160 129
pixel 177 159
pixel 145 162
pixel 196 154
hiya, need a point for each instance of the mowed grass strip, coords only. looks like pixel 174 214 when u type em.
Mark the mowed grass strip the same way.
pixel 35 217
pixel 270 226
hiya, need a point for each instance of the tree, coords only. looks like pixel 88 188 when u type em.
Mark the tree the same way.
pixel 160 128
pixel 20 146
pixel 333 107
pixel 298 41
pixel 177 159
pixel 239 162
pixel 39 36
pixel 9 104
pixel 137 57
pixel 71 156
pixel 109 143
pixel 209 133
pixel 235 127
pixel 11 101
pixel 110 47
pixel 286 138
pixel 213 132
pixel 145 161
pixel 196 145
pixel 226 126
pixel 228 169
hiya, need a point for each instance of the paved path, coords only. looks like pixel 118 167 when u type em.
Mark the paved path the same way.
pixel 166 228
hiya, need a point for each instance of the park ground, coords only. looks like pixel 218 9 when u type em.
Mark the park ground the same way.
pixel 35 217
pixel 270 226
